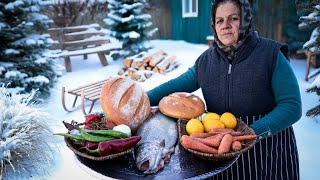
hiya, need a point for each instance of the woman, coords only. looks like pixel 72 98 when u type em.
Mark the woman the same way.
pixel 249 76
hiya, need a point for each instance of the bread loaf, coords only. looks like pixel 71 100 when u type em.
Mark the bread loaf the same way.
pixel 124 102
pixel 182 105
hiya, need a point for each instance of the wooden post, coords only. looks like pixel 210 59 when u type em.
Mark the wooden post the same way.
pixel 102 58
pixel 85 56
pixel 279 36
pixel 308 65
pixel 67 63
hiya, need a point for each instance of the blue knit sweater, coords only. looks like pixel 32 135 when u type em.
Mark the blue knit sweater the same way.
pixel 284 86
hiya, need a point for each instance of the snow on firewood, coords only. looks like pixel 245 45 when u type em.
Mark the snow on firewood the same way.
pixel 141 66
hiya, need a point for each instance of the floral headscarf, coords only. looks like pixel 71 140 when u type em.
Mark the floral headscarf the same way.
pixel 246 26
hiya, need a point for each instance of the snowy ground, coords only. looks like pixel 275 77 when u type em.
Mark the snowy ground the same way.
pixel 66 166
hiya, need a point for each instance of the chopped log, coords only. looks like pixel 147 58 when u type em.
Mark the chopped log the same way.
pixel 127 62
pixel 149 68
pixel 142 68
pixel 132 73
pixel 157 59
pixel 172 66
pixel 145 64
pixel 147 59
pixel 163 65
pixel 136 64
pixel 155 69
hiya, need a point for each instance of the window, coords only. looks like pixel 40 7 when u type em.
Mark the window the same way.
pixel 189 8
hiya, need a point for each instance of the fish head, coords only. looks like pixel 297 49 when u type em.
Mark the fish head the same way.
pixel 149 156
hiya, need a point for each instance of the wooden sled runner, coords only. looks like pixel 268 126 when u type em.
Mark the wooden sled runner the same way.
pixel 89 92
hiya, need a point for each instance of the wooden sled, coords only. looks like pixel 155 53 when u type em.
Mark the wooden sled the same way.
pixel 90 92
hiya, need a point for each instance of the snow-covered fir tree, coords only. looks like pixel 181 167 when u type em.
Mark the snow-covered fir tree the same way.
pixel 25 64
pixel 26 140
pixel 315 88
pixel 128 23
pixel 313 45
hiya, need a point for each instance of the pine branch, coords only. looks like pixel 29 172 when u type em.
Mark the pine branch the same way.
pixel 312 89
pixel 314 111
pixel 306 5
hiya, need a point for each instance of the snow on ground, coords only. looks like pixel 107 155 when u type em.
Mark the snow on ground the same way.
pixel 66 166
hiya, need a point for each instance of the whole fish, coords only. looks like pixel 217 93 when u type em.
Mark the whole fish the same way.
pixel 159 134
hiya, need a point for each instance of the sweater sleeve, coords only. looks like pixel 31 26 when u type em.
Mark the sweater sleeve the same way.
pixel 288 101
pixel 186 82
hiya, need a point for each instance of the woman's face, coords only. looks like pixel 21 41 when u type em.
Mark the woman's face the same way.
pixel 227 23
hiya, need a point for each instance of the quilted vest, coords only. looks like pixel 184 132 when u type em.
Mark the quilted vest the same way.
pixel 243 86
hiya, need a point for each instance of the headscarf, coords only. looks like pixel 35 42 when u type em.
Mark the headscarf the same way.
pixel 246 26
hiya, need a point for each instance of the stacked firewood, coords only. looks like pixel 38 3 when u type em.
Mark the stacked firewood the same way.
pixel 143 65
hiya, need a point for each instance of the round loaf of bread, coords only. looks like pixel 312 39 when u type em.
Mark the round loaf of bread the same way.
pixel 124 102
pixel 182 105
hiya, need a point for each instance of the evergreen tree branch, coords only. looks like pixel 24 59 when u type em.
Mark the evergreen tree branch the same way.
pixel 313 112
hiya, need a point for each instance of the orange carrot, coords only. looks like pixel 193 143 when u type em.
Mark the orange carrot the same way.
pixel 225 144
pixel 236 146
pixel 236 133
pixel 200 135
pixel 213 141
pixel 191 143
pixel 244 137
pixel 221 130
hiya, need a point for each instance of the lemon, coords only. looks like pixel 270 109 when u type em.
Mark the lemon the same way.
pixel 229 120
pixel 194 126
pixel 212 123
pixel 210 116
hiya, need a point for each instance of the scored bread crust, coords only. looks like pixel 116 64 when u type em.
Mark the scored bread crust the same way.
pixel 182 105
pixel 124 102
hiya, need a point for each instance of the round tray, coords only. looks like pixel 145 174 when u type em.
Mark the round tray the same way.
pixel 75 149
pixel 241 126
pixel 182 165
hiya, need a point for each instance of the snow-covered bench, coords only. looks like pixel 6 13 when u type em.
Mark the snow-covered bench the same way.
pixel 84 40
pixel 101 50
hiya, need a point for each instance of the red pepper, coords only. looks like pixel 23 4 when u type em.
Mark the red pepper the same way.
pixel 91 145
pixel 93 121
pixel 115 146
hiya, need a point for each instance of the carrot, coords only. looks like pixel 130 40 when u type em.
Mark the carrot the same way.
pixel 215 132
pixel 225 144
pixel 213 141
pixel 191 143
pixel 200 135
pixel 244 137
pixel 236 146
pixel 236 133
pixel 221 130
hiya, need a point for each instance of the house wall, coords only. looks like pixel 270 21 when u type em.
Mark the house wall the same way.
pixel 276 19
pixel 161 18
pixel 190 29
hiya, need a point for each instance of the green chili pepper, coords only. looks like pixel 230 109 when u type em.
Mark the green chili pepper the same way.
pixel 112 133
pixel 73 137
pixel 94 138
